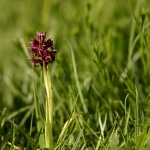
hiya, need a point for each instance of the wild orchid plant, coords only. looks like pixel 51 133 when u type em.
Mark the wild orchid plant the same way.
pixel 42 56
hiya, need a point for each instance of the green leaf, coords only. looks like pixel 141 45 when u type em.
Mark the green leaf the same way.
pixel 140 139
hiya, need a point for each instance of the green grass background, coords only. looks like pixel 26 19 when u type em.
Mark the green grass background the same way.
pixel 110 42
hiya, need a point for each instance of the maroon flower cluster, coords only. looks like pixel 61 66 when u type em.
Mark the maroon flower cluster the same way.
pixel 39 50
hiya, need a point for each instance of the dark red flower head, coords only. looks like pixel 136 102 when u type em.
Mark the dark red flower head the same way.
pixel 39 49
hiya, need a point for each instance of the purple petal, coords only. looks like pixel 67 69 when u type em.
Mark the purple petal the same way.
pixel 35 61
pixel 48 44
pixel 41 36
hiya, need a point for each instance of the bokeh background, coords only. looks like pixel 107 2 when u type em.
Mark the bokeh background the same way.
pixel 104 25
pixel 82 23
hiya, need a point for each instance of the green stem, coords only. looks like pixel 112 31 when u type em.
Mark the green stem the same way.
pixel 136 114
pixel 49 108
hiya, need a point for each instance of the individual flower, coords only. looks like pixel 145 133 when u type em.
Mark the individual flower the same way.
pixel 39 49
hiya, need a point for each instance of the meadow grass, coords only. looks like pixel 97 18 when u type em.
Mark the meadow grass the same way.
pixel 100 78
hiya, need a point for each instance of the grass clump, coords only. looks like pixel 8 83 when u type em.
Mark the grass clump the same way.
pixel 100 78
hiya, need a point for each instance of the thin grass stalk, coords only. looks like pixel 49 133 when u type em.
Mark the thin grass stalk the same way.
pixel 77 78
pixel 127 122
pixel 2 117
pixel 31 124
pixel 77 141
pixel 38 115
pixel 13 137
pixel 136 113
pixel 102 128
pixel 132 32
pixel 49 109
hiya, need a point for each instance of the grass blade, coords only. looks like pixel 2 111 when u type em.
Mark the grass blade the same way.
pixel 77 140
pixel 76 78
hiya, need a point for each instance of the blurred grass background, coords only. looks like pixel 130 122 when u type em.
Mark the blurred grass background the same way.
pixel 85 24
pixel 82 23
